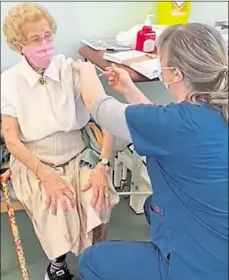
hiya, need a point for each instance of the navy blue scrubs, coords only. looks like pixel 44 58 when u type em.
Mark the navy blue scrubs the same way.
pixel 186 147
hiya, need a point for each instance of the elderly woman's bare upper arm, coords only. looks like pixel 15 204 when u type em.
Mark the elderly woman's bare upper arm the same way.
pixel 76 83
pixel 10 128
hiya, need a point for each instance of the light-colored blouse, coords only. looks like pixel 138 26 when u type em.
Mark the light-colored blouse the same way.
pixel 43 110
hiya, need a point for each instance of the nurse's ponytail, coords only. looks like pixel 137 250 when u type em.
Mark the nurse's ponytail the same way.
pixel 200 53
pixel 219 98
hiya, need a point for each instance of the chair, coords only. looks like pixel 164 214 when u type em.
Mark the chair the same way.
pixel 10 206
pixel 139 186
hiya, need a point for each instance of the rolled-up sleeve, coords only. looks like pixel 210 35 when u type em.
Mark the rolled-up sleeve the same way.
pixel 110 114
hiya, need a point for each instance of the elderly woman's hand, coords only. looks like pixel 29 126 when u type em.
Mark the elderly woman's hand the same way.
pixel 100 187
pixel 119 79
pixel 57 190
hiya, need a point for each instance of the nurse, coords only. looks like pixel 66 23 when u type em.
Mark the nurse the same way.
pixel 186 146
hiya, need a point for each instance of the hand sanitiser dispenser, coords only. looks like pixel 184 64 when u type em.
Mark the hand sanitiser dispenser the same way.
pixel 146 37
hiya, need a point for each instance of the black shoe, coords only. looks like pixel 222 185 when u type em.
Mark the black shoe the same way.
pixel 62 274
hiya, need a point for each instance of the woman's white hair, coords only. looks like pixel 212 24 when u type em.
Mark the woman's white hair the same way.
pixel 200 53
pixel 21 14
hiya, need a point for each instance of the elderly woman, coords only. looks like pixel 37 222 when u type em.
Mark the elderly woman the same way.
pixel 186 146
pixel 42 118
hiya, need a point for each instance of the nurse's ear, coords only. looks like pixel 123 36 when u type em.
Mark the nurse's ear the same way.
pixel 178 76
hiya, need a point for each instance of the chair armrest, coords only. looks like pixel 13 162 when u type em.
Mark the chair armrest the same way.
pixel 97 133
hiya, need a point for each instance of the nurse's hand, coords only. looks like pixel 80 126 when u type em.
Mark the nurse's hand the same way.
pixel 119 79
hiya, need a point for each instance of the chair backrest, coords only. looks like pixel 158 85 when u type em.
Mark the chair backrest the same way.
pixel 92 136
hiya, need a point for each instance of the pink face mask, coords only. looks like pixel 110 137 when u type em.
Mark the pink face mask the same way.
pixel 40 56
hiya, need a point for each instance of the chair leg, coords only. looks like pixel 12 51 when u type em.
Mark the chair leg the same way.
pixel 14 227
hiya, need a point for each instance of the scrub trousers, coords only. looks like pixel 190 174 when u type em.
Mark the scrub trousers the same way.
pixel 117 260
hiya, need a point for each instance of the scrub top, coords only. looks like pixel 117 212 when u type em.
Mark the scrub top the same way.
pixel 186 148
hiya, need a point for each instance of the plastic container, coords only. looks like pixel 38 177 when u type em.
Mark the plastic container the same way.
pixel 146 37
pixel 171 13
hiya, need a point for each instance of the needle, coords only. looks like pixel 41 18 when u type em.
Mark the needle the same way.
pixel 101 74
pixel 101 70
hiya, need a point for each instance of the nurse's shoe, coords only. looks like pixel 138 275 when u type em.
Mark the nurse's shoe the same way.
pixel 62 274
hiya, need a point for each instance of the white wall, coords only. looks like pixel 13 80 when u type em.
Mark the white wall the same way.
pixel 208 12
pixel 105 20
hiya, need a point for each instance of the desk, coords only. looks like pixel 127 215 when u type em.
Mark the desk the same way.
pixel 96 57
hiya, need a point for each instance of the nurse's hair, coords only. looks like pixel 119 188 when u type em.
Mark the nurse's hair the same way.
pixel 20 14
pixel 200 53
